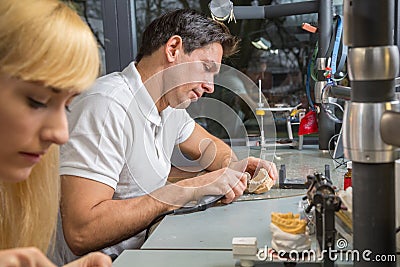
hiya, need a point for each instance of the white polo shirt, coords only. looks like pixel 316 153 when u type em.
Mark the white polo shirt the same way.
pixel 117 137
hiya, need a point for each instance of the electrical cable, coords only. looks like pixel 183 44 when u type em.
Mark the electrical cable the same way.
pixel 339 52
pixel 336 49
pixel 329 112
pixel 203 204
pixel 313 72
pixel 336 104
pixel 308 91
pixel 329 144
pixel 331 155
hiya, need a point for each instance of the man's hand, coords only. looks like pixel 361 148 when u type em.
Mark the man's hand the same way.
pixel 225 181
pixel 252 165
pixel 230 181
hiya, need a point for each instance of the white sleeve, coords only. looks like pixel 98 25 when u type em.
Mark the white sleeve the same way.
pixel 95 149
pixel 186 126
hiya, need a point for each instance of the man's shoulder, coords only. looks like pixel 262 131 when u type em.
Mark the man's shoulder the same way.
pixel 172 116
pixel 109 88
pixel 109 84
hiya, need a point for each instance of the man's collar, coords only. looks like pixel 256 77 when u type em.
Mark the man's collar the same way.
pixel 144 100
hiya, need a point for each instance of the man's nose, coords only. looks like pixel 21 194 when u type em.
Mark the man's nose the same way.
pixel 208 87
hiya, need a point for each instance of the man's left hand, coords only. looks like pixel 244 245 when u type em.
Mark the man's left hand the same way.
pixel 252 165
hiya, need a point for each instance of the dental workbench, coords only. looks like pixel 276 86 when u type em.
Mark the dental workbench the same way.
pixel 205 238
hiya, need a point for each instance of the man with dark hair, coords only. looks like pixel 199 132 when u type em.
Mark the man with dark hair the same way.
pixel 123 131
pixel 195 30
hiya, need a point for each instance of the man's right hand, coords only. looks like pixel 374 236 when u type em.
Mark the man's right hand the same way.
pixel 225 181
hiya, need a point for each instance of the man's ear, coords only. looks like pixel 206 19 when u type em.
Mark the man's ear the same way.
pixel 173 47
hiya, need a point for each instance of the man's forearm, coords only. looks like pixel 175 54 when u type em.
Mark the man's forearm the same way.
pixel 217 155
pixel 112 221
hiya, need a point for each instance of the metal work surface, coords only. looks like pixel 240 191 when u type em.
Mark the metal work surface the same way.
pixel 174 258
pixel 214 228
pixel 205 238
pixel 250 215
pixel 178 258
pixel 193 258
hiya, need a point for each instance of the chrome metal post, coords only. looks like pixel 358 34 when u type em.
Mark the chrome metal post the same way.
pixel 373 64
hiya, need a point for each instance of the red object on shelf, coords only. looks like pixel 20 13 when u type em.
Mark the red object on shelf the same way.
pixel 347 176
pixel 308 123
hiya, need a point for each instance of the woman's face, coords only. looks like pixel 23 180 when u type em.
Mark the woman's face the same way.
pixel 32 117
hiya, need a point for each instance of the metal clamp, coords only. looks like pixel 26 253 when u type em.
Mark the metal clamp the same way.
pixel 362 140
pixel 373 63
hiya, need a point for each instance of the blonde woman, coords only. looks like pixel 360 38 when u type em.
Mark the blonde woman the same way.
pixel 47 56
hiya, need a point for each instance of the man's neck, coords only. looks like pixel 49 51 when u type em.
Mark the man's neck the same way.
pixel 152 77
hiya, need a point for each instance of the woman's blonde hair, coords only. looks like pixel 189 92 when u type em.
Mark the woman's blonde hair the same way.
pixel 29 209
pixel 45 41
pixel 42 41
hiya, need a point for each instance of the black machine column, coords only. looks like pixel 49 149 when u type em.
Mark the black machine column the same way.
pixel 373 64
pixel 326 127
